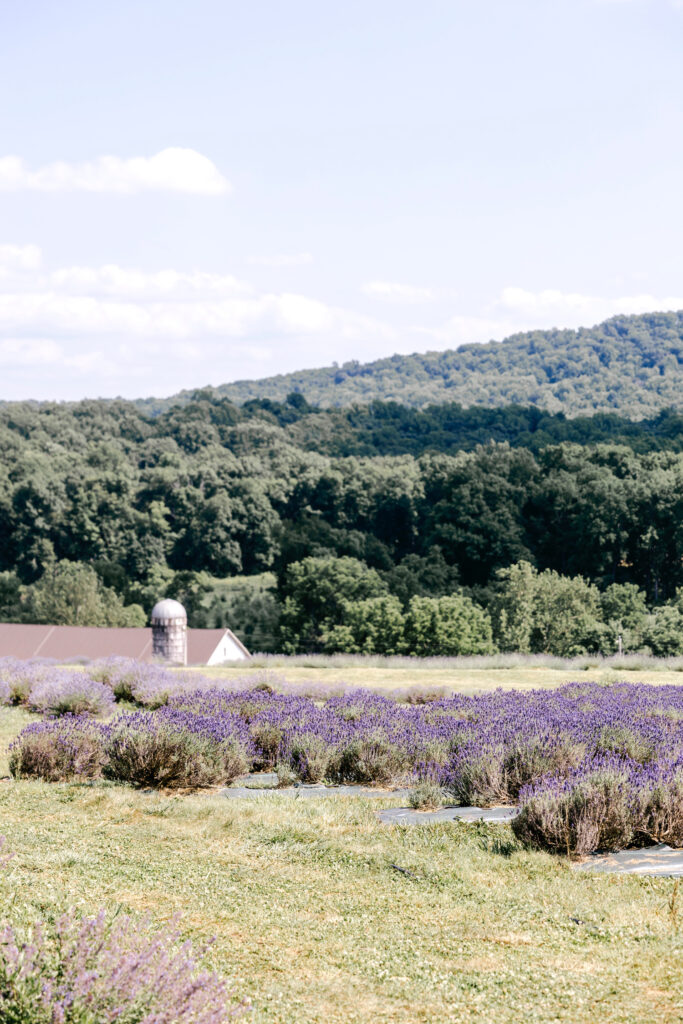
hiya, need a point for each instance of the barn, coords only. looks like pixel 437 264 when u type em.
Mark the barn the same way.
pixel 168 639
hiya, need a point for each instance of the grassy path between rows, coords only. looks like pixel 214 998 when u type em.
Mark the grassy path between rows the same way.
pixel 313 921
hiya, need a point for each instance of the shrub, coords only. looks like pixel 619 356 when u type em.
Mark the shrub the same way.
pixel 659 808
pixel 452 624
pixel 70 693
pixel 149 753
pixel 419 695
pixel 477 777
pixel 236 761
pixel 526 762
pixel 153 686
pixel 369 760
pixel 122 675
pixel 59 751
pixel 19 677
pixel 286 776
pixel 587 812
pixel 267 739
pixel 90 969
pixel 626 743
pixel 426 796
pixel 310 757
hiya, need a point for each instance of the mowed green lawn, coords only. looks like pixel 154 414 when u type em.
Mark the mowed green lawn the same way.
pixel 314 923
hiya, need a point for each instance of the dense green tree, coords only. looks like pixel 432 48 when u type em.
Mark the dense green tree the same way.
pixel 373 626
pixel 315 593
pixel 449 625
pixel 430 500
pixel 474 509
pixel 628 362
pixel 71 594
pixel 247 605
pixel 547 613
pixel 422 575
pixel 11 609
pixel 663 631
pixel 513 607
pixel 566 615
pixel 624 614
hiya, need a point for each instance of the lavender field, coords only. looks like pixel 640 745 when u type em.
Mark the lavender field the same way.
pixel 313 910
pixel 591 766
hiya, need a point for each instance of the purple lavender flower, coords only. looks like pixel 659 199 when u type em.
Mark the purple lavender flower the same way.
pixel 95 969
pixel 70 693
pixel 492 748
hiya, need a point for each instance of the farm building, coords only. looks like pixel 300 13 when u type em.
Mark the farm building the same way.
pixel 168 640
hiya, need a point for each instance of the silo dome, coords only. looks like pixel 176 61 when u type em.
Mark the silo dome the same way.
pixel 168 609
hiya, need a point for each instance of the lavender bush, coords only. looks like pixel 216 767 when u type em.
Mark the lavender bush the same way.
pixel 589 810
pixel 426 796
pixel 20 677
pixel 91 970
pixel 176 750
pixel 607 803
pixel 70 693
pixel 136 682
pixel 58 751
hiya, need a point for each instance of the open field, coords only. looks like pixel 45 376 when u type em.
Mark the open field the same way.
pixel 315 924
pixel 467 675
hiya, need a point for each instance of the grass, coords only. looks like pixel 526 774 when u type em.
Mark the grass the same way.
pixel 12 720
pixel 465 674
pixel 313 920
pixel 469 678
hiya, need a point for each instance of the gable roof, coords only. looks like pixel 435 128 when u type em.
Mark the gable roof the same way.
pixel 65 643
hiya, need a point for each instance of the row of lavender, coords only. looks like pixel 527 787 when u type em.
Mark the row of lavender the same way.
pixel 591 766
pixel 52 690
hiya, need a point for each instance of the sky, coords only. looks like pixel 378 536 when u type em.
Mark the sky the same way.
pixel 198 192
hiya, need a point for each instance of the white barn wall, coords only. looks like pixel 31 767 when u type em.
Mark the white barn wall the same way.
pixel 227 650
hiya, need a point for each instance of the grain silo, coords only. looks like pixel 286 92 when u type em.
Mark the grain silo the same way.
pixel 169 632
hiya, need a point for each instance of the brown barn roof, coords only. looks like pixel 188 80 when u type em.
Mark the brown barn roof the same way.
pixel 66 643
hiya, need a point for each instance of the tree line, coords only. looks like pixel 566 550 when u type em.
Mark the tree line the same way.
pixel 222 507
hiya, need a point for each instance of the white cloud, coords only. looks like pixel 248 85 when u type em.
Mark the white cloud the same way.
pixel 113 329
pixel 29 352
pixel 519 309
pixel 554 308
pixel 20 257
pixel 284 259
pixel 237 317
pixel 171 170
pixel 72 330
pixel 390 291
pixel 124 281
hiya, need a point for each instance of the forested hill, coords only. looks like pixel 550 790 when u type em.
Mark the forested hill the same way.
pixel 633 365
pixel 282 520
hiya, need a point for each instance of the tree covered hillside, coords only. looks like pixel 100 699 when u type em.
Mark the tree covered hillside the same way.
pixel 629 364
pixel 376 528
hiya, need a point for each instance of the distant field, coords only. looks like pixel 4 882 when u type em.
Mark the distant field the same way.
pixel 467 675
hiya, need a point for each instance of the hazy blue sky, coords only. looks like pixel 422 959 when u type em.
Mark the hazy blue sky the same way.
pixel 199 192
